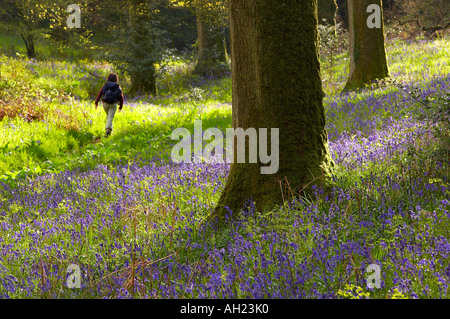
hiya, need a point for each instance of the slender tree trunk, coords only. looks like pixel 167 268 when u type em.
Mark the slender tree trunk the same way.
pixel 276 84
pixel 211 49
pixel 28 38
pixel 327 11
pixel 141 81
pixel 202 41
pixel 342 13
pixel 135 79
pixel 367 52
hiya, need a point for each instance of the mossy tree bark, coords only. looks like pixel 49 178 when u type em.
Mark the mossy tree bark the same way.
pixel 211 46
pixel 327 11
pixel 367 52
pixel 276 84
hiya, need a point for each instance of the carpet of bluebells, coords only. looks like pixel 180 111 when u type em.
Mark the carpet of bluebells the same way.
pixel 138 230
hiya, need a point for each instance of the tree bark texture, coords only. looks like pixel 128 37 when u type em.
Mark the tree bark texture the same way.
pixel 367 51
pixel 276 84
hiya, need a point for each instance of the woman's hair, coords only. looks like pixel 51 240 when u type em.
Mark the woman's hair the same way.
pixel 113 78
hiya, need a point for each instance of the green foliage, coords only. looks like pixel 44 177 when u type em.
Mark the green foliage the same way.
pixel 436 112
pixel 214 12
pixel 398 295
pixel 333 43
pixel 212 68
pixel 135 50
pixel 180 26
pixel 36 20
pixel 352 292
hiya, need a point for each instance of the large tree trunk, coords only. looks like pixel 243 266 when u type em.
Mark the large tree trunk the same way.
pixel 211 48
pixel 367 53
pixel 276 84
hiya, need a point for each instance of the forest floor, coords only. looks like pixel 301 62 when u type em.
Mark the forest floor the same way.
pixel 130 219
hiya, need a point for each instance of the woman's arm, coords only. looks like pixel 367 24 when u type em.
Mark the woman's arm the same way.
pixel 99 95
pixel 120 98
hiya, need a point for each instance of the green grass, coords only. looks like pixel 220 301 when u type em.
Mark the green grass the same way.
pixel 70 128
pixel 52 85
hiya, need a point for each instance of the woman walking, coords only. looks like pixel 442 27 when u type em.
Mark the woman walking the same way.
pixel 110 94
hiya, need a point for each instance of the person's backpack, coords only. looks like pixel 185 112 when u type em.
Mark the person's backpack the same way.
pixel 111 92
